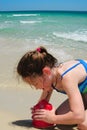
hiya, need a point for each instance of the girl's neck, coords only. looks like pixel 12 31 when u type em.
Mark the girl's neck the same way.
pixel 56 77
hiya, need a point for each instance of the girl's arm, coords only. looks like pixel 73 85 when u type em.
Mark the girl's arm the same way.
pixel 76 114
pixel 46 95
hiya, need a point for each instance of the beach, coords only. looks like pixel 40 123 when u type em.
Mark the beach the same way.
pixel 64 34
pixel 15 107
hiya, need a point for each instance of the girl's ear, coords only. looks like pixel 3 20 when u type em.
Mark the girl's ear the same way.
pixel 46 70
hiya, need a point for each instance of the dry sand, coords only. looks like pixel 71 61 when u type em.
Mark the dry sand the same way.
pixel 15 104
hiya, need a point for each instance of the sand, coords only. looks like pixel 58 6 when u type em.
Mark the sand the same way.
pixel 15 104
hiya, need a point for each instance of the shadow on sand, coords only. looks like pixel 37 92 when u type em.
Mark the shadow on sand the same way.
pixel 28 124
pixel 23 123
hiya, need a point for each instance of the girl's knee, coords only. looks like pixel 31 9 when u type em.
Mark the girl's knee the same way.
pixel 63 108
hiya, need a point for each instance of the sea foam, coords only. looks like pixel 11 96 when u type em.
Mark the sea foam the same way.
pixel 72 36
pixel 21 15
pixel 29 22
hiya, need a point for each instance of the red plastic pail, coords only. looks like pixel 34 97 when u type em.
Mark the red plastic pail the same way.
pixel 42 105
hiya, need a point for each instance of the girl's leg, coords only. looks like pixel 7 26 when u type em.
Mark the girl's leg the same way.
pixel 84 97
pixel 62 109
pixel 83 126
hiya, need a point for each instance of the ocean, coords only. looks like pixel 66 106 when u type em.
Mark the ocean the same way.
pixel 63 33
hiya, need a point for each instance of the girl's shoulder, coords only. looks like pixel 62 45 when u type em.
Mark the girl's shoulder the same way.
pixel 66 65
pixel 72 67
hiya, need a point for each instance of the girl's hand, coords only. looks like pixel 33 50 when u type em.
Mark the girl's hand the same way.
pixel 44 115
pixel 32 111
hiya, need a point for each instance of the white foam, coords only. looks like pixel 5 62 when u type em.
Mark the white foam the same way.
pixel 25 15
pixel 8 22
pixel 76 36
pixel 29 22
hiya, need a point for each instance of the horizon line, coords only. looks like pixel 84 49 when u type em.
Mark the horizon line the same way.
pixel 44 10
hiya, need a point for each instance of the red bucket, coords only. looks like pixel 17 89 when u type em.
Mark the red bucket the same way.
pixel 42 105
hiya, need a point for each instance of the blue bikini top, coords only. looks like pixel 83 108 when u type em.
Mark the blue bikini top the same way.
pixel 83 85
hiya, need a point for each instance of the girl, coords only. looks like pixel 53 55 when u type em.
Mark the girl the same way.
pixel 42 70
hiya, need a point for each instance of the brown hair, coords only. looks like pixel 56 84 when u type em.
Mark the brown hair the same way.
pixel 34 61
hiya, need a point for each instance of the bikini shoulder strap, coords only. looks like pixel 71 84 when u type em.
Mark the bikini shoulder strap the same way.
pixel 70 69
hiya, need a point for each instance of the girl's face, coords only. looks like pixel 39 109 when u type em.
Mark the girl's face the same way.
pixel 40 82
pixel 37 81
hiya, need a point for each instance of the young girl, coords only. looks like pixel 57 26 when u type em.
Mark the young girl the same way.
pixel 40 69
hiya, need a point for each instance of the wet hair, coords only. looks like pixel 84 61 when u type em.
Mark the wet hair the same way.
pixel 33 62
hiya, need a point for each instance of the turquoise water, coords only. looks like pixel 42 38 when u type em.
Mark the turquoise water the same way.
pixel 44 25
pixel 63 33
